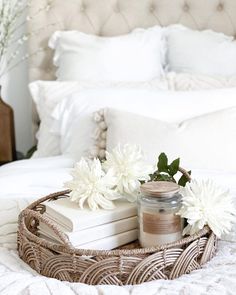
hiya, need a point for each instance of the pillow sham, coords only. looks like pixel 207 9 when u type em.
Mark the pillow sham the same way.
pixel 73 117
pixel 203 142
pixel 138 56
pixel 200 52
pixel 47 94
pixel 194 82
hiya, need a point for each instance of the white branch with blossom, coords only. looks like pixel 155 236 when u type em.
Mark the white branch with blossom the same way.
pixel 11 13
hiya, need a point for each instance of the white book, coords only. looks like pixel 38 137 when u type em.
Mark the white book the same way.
pixel 72 218
pixel 107 243
pixel 94 233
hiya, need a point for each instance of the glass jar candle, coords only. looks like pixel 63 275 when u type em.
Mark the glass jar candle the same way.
pixel 157 207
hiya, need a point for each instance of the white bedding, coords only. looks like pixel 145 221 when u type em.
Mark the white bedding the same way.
pixel 24 181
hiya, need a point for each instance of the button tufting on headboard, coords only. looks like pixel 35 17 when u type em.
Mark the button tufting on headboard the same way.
pixel 117 8
pixel 186 7
pixel 220 7
pixel 82 8
pixel 152 8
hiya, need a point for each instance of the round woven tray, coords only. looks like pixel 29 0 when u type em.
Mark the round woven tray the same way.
pixel 128 265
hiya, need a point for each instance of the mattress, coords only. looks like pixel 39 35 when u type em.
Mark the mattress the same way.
pixel 24 181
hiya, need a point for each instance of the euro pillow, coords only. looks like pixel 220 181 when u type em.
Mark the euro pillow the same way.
pixel 202 142
pixel 200 52
pixel 138 56
pixel 47 94
pixel 74 116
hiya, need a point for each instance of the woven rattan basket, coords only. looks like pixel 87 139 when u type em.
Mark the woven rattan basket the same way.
pixel 126 266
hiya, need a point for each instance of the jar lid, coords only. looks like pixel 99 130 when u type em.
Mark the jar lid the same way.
pixel 159 188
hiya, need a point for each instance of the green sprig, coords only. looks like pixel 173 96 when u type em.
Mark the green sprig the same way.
pixel 166 172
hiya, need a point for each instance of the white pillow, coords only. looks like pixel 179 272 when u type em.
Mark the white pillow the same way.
pixel 47 94
pixel 200 52
pixel 74 116
pixel 193 82
pixel 204 142
pixel 138 56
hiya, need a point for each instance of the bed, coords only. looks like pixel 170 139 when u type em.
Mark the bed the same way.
pixel 24 181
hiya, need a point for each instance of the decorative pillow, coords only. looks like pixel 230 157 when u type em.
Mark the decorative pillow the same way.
pixel 200 52
pixel 47 94
pixel 138 56
pixel 203 142
pixel 189 82
pixel 73 117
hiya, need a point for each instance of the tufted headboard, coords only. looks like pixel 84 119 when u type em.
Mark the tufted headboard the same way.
pixel 115 17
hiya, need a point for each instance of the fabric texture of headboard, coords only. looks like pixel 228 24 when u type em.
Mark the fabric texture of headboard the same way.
pixel 116 17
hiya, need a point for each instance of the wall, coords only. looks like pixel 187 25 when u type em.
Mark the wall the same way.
pixel 15 92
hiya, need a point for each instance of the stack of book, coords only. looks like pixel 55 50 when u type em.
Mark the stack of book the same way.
pixel 100 229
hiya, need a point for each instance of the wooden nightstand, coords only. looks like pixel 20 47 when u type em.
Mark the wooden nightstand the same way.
pixel 7 133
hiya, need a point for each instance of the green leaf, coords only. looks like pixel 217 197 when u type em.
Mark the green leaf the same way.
pixel 162 164
pixel 183 180
pixel 30 152
pixel 153 176
pixel 174 167
pixel 163 177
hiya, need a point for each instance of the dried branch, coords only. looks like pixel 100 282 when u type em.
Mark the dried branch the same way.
pixel 11 12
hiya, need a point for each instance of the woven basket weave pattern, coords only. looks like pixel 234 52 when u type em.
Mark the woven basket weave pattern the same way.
pixel 128 265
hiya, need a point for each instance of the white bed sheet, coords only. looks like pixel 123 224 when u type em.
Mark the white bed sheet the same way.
pixel 24 181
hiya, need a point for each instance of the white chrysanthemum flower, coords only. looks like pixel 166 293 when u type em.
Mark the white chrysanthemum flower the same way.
pixel 204 203
pixel 92 185
pixel 129 167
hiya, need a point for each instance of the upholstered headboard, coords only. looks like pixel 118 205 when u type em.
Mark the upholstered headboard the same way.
pixel 115 17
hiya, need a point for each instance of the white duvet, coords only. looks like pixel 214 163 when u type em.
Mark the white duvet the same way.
pixel 24 181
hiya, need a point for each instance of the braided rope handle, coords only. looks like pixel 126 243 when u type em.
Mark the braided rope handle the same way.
pixel 185 173
pixel 43 219
pixel 50 197
pixel 31 212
